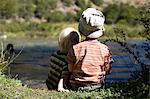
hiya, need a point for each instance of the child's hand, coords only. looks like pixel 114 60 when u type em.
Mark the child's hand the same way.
pixel 103 73
pixel 63 90
pixel 60 86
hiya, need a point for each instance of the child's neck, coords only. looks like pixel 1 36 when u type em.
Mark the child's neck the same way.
pixel 91 38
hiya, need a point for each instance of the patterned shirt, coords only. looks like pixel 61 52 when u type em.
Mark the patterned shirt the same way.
pixel 57 69
pixel 86 62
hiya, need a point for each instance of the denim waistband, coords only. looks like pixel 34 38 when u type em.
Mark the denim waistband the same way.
pixel 90 88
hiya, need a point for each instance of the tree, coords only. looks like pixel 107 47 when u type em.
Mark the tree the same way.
pixel 83 4
pixel 44 7
pixel 26 8
pixel 98 2
pixel 8 8
pixel 122 13
pixel 112 13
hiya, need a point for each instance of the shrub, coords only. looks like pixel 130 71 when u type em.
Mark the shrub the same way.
pixel 44 7
pixel 3 62
pixel 70 17
pixel 8 8
pixel 26 9
pixel 112 13
pixel 122 13
pixel 56 16
pixel 67 2
pixel 98 2
pixel 144 19
pixel 83 4
pixel 78 16
pixel 14 26
pixel 129 14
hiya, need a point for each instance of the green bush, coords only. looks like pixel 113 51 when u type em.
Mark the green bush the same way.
pixel 78 15
pixel 144 19
pixel 26 9
pixel 44 7
pixel 83 4
pixel 13 27
pixel 122 13
pixel 67 2
pixel 56 16
pixel 112 13
pixel 98 2
pixel 129 13
pixel 70 17
pixel 8 8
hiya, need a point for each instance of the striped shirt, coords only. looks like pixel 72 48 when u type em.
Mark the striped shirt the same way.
pixel 86 62
pixel 57 69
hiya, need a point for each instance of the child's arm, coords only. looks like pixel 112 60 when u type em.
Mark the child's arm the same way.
pixel 61 86
pixel 64 79
pixel 108 62
pixel 107 68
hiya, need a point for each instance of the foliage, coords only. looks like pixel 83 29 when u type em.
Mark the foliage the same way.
pixel 129 14
pixel 145 21
pixel 51 29
pixel 70 17
pixel 3 62
pixel 83 4
pixel 138 86
pixel 26 9
pixel 34 29
pixel 98 2
pixel 7 56
pixel 44 7
pixel 112 13
pixel 68 2
pixel 8 8
pixel 122 13
pixel 78 15
pixel 56 16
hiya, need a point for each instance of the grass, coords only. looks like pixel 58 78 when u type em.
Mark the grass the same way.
pixel 12 88
pixel 51 30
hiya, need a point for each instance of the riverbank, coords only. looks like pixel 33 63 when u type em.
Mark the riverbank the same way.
pixel 11 88
pixel 33 30
pixel 31 68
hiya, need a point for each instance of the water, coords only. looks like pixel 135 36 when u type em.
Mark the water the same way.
pixel 31 66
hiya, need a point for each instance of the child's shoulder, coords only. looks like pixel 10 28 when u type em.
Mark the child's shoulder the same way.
pixel 81 44
pixel 103 45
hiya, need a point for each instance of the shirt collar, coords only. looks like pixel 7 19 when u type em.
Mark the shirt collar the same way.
pixel 91 39
pixel 61 53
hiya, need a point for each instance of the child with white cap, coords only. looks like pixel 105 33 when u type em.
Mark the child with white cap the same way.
pixel 58 70
pixel 89 61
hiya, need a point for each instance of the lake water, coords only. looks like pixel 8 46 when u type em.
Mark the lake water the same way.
pixel 31 66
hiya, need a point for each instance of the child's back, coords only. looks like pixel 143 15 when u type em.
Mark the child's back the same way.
pixel 58 66
pixel 89 61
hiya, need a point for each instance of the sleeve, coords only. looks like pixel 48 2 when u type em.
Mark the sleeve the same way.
pixel 108 57
pixel 65 76
pixel 107 62
pixel 65 72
